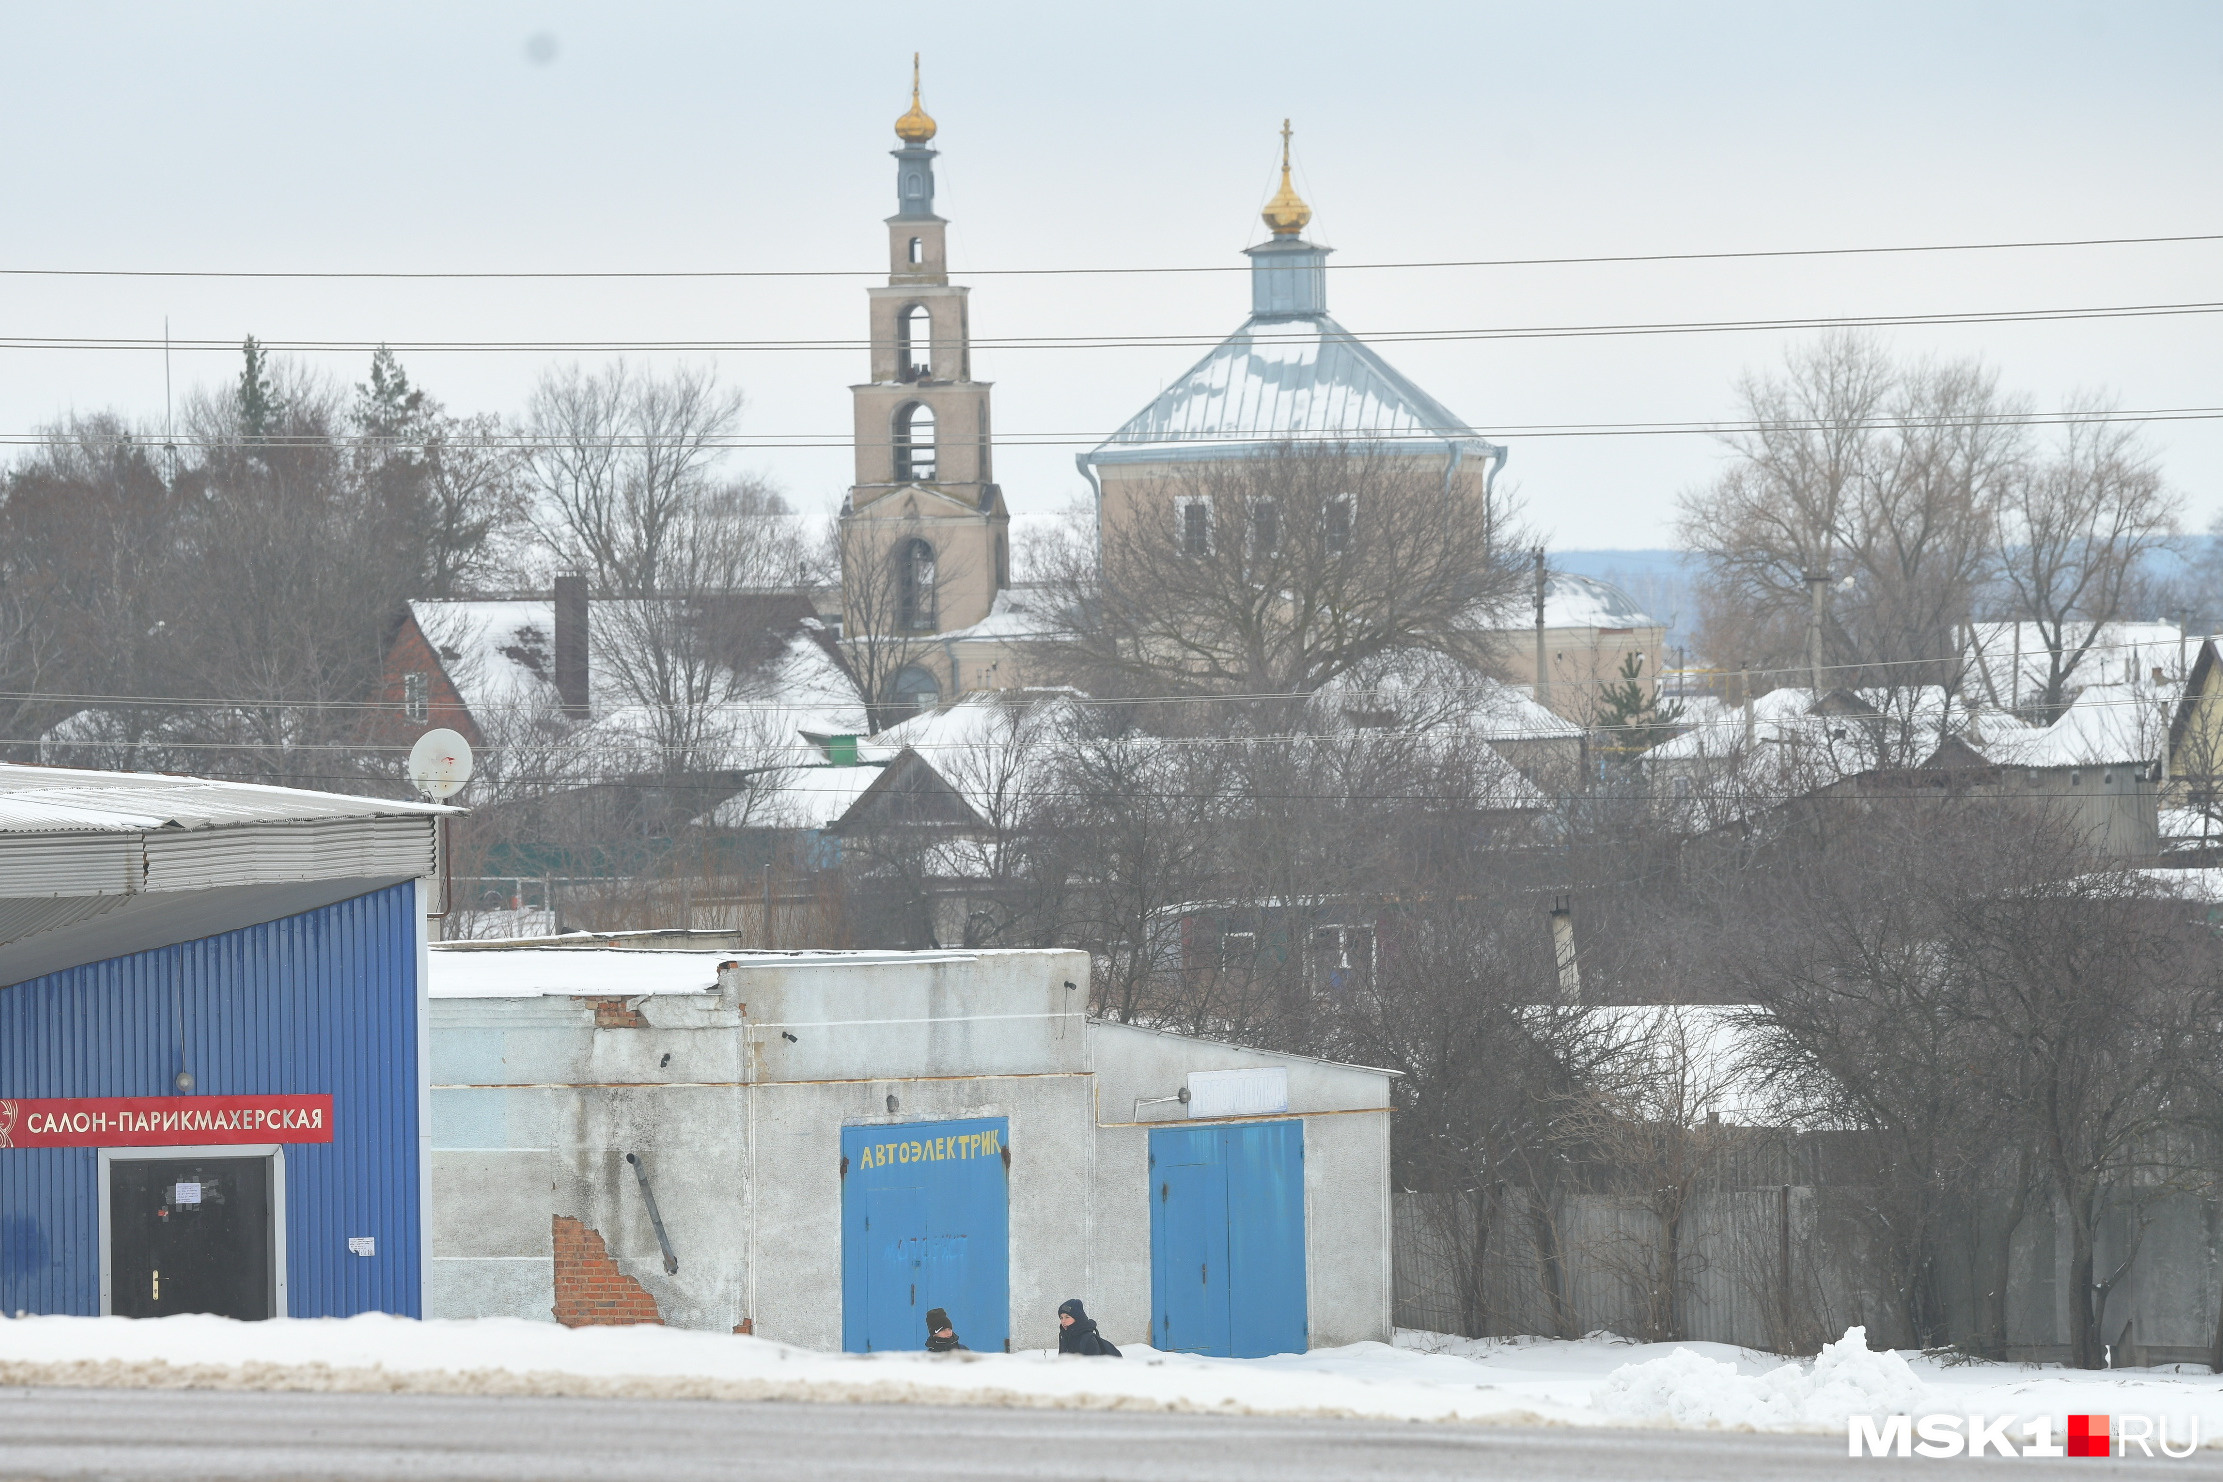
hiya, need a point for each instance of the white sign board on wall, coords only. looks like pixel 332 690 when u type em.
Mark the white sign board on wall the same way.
pixel 1254 1091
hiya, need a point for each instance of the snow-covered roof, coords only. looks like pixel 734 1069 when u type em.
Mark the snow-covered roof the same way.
pixel 992 749
pixel 1014 615
pixel 1305 378
pixel 1903 730
pixel 484 970
pixel 2121 650
pixel 1510 712
pixel 1575 601
pixel 815 796
pixel 1693 1059
pixel 500 656
pixel 2105 724
pixel 50 800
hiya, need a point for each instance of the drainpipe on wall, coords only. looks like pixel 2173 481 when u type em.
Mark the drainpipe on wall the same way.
pixel 1543 674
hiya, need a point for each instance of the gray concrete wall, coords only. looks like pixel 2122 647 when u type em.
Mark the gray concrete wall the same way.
pixel 2165 1310
pixel 739 1127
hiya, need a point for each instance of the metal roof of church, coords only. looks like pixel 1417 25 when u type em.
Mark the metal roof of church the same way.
pixel 1285 378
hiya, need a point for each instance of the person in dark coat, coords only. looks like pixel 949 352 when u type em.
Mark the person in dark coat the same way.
pixel 1077 1332
pixel 940 1336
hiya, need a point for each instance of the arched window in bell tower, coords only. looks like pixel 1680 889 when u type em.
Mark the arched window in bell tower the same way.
pixel 915 586
pixel 914 442
pixel 914 343
pixel 918 249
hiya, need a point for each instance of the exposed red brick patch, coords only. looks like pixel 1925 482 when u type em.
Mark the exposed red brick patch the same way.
pixel 747 1327
pixel 590 1289
pixel 613 1013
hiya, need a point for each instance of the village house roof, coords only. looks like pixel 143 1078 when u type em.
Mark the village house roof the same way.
pixel 785 678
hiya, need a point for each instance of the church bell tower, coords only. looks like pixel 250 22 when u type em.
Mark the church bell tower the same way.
pixel 925 533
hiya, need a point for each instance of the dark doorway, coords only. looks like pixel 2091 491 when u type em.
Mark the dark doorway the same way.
pixel 189 1235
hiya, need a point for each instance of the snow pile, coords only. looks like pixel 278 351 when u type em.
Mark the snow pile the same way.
pixel 1599 1380
pixel 1689 1389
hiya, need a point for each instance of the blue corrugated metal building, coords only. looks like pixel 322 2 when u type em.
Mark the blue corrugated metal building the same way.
pixel 212 1047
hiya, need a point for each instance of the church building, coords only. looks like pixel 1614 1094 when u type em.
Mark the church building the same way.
pixel 925 536
pixel 1289 376
pixel 928 608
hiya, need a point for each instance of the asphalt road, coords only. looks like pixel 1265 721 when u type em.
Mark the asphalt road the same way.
pixel 184 1436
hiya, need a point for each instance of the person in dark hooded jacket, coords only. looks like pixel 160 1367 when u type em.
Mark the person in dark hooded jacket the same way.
pixel 1077 1332
pixel 940 1336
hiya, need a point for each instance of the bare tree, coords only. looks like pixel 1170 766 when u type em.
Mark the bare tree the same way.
pixel 688 656
pixel 2098 993
pixel 2078 525
pixel 618 456
pixel 1841 938
pixel 891 599
pixel 1280 573
pixel 1882 479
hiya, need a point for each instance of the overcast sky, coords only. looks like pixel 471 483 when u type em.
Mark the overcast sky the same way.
pixel 720 136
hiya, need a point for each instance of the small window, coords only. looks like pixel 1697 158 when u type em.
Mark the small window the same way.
pixel 1265 528
pixel 1342 957
pixel 918 249
pixel 916 586
pixel 1337 534
pixel 1003 560
pixel 1237 948
pixel 914 442
pixel 915 685
pixel 1196 528
pixel 416 694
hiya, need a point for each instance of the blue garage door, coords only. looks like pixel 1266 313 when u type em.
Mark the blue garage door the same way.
pixel 1227 1239
pixel 925 1221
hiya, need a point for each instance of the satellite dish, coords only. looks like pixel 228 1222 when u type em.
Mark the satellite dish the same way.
pixel 440 763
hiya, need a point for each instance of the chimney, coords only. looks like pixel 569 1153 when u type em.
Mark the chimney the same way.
pixel 1563 949
pixel 571 644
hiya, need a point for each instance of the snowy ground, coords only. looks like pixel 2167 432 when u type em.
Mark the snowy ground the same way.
pixel 1423 1376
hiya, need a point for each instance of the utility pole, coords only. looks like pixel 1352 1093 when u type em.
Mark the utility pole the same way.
pixel 1817 584
pixel 1543 674
pixel 1744 698
pixel 2014 683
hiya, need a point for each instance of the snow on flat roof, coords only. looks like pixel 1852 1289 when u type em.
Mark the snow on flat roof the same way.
pixel 481 971
pixel 53 800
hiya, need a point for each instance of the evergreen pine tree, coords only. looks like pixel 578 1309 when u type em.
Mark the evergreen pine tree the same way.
pixel 1631 715
pixel 259 408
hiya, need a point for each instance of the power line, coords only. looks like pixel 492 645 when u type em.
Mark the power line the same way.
pixel 139 344
pixel 1328 437
pixel 653 274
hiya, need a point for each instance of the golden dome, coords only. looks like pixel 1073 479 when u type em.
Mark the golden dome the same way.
pixel 917 126
pixel 1286 213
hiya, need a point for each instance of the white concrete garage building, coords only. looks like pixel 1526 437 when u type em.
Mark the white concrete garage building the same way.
pixel 822 1147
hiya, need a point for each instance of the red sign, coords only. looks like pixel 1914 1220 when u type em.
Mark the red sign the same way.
pixel 164 1121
